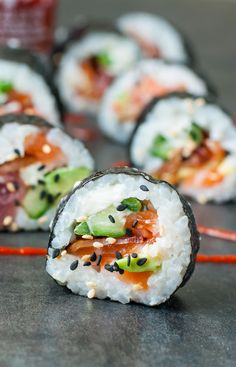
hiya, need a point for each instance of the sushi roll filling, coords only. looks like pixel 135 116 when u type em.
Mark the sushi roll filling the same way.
pixel 13 101
pixel 197 163
pixel 54 179
pixel 128 105
pixel 114 238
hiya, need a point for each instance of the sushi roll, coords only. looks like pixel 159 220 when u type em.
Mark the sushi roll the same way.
pixel 88 63
pixel 24 87
pixel 123 235
pixel 131 92
pixel 156 36
pixel 39 164
pixel 189 142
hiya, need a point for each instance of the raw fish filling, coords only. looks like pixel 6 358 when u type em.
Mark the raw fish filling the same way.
pixel 129 105
pixel 197 164
pixel 113 239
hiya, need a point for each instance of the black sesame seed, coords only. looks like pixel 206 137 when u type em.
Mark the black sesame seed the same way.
pixel 121 207
pixel 99 260
pixel 109 267
pixel 42 194
pixel 111 218
pixel 135 223
pixel 55 253
pixel 87 263
pixel 40 168
pixel 41 182
pixel 144 188
pixel 141 261
pixel 128 260
pixel 17 203
pixel 74 265
pixel 93 257
pixel 118 255
pixel 17 151
pixel 121 271
pixel 50 199
pixel 129 232
pixel 134 255
pixel 57 195
pixel 56 178
pixel 116 266
pixel 16 185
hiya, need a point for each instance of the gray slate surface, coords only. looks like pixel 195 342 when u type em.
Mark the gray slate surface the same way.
pixel 43 324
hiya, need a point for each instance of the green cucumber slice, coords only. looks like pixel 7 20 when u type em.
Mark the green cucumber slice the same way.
pixel 150 265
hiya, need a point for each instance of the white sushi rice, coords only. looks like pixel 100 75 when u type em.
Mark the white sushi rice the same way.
pixel 12 136
pixel 169 75
pixel 123 53
pixel 173 247
pixel 156 31
pixel 26 80
pixel 172 117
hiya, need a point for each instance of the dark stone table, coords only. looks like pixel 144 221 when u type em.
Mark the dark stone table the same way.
pixel 43 324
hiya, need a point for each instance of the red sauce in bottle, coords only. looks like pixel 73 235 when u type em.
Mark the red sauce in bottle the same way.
pixel 29 23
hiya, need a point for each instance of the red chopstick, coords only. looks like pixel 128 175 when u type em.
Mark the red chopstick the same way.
pixel 220 259
pixel 221 233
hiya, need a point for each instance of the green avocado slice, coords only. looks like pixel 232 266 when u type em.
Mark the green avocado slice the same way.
pixel 36 202
pixel 138 264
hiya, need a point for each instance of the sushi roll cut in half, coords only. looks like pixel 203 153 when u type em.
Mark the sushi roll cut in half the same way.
pixel 89 64
pixel 39 164
pixel 155 35
pixel 123 235
pixel 23 86
pixel 131 92
pixel 189 142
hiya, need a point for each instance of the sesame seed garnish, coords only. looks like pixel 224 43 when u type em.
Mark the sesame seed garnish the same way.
pixel 17 152
pixel 116 266
pixel 144 188
pixel 142 261
pixel 87 237
pixel 97 244
pixel 50 198
pixel 91 284
pixel 83 218
pixel 110 240
pixel 7 220
pixel 14 227
pixel 40 168
pixel 137 287
pixel 16 185
pixel 93 257
pixel 135 223
pixel 109 267
pixel 128 260
pixel 111 218
pixel 56 252
pixel 121 207
pixel 87 263
pixel 46 149
pixel 85 257
pixel 41 182
pixel 74 265
pixel 129 232
pixel 56 177
pixel 64 252
pixel 121 271
pixel 134 255
pixel 42 194
pixel 42 219
pixel 91 293
pixel 10 187
pixel 118 255
pixel 99 260
pixel 17 203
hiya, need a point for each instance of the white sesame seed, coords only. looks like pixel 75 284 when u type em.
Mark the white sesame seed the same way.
pixel 87 237
pixel 91 293
pixel 83 218
pixel 91 284
pixel 43 219
pixel 201 199
pixel 110 240
pixel 137 287
pixel 46 149
pixel 10 187
pixel 98 244
pixel 7 220
pixel 64 252
pixel 85 257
